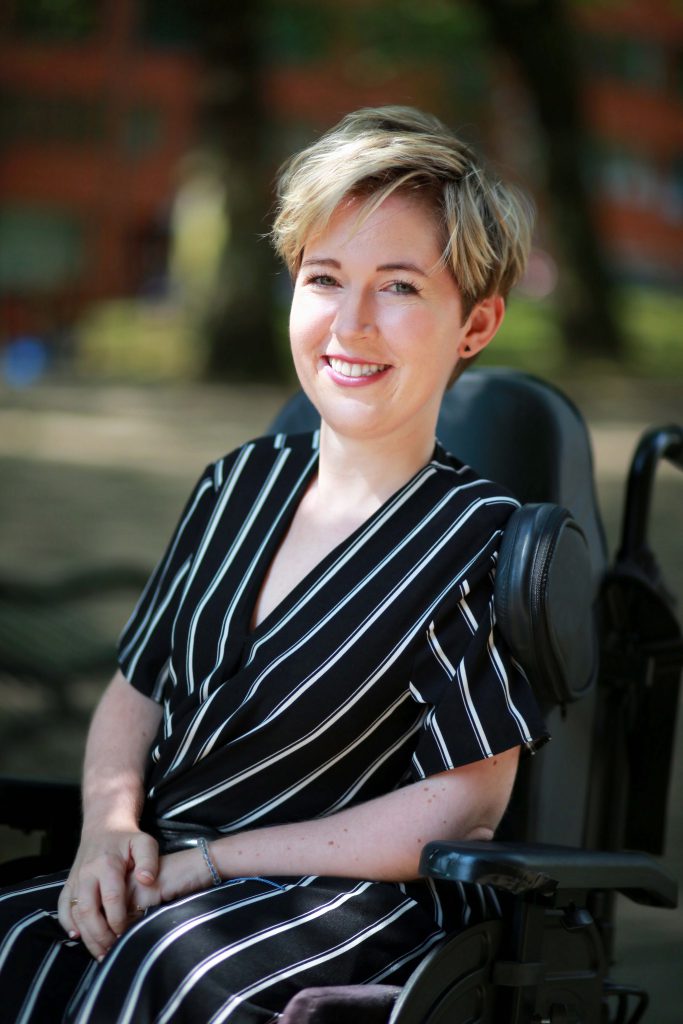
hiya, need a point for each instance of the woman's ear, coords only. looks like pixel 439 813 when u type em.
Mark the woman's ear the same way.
pixel 480 326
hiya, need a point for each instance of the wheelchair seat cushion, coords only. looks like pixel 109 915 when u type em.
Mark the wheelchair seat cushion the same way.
pixel 341 1004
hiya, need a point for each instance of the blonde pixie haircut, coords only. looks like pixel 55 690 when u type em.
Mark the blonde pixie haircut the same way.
pixel 486 224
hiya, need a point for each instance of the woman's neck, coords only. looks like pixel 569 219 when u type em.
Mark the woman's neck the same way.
pixel 360 475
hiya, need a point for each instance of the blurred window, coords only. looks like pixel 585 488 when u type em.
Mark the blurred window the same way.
pixel 59 20
pixel 142 131
pixel 40 249
pixel 633 180
pixel 639 61
pixel 45 119
pixel 644 61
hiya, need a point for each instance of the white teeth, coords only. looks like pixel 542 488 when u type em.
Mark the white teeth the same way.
pixel 355 369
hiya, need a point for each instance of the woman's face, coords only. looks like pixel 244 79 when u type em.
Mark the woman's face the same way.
pixel 376 322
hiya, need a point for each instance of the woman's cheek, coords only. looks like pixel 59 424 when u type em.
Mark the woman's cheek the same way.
pixel 310 326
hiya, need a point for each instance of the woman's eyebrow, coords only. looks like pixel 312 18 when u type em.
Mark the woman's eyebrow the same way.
pixel 323 261
pixel 410 267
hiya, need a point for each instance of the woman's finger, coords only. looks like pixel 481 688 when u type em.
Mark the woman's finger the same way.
pixel 89 918
pixel 144 852
pixel 65 905
pixel 112 886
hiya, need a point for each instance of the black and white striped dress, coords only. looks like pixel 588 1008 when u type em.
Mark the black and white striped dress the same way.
pixel 381 667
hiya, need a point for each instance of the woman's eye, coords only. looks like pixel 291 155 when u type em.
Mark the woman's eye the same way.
pixel 403 288
pixel 324 280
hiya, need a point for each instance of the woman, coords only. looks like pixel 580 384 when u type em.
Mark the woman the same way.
pixel 312 685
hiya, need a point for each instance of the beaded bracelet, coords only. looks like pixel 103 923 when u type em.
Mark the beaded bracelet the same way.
pixel 213 871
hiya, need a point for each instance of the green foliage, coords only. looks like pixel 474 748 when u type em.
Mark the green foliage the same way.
pixel 529 339
pixel 127 339
pixel 298 32
pixel 169 23
pixel 56 19
pixel 650 319
pixel 652 325
pixel 302 31
pixel 423 32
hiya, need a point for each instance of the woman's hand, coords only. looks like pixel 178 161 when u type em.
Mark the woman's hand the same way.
pixel 179 875
pixel 93 904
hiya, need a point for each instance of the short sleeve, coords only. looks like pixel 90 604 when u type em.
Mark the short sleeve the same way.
pixel 478 700
pixel 145 644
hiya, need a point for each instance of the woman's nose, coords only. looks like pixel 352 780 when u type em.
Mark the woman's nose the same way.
pixel 355 318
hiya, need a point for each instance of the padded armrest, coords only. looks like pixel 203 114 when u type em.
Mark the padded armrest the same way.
pixel 525 867
pixel 38 804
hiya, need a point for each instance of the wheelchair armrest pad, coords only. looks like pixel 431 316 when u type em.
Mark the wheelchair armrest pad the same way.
pixel 537 867
pixel 39 804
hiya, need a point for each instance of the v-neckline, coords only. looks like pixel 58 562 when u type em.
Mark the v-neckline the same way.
pixel 262 565
pixel 253 633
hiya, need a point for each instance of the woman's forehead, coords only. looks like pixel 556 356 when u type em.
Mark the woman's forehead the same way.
pixel 400 224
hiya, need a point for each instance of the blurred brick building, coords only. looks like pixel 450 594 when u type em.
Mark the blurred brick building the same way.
pixel 98 102
pixel 632 63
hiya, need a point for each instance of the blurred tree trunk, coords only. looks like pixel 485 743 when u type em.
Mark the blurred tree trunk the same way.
pixel 540 38
pixel 240 321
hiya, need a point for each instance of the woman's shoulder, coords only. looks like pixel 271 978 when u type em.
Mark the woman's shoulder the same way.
pixel 453 472
pixel 261 454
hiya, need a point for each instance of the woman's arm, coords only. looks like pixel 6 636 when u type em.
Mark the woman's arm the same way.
pixel 381 839
pixel 112 844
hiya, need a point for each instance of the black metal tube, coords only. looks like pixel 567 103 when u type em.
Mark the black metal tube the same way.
pixel 658 443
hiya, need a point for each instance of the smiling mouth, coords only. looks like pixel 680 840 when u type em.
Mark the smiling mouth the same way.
pixel 355 369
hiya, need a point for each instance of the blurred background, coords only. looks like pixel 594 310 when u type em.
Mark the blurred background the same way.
pixel 140 139
pixel 143 316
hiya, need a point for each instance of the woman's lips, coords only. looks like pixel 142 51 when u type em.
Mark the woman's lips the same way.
pixel 354 373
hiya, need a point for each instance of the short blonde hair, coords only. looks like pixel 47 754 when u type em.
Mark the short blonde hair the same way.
pixel 486 224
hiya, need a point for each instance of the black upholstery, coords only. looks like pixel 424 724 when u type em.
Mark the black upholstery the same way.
pixel 525 867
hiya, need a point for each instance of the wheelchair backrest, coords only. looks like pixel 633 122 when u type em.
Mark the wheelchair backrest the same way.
pixel 516 429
